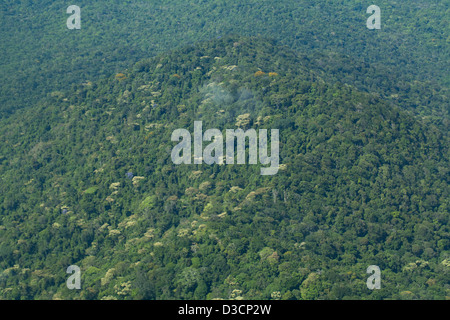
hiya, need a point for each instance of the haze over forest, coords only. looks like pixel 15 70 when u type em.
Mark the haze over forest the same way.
pixel 90 119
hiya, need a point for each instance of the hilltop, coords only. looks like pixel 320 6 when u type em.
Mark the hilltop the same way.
pixel 406 61
pixel 87 180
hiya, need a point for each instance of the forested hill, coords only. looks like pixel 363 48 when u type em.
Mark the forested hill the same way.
pixel 88 180
pixel 406 60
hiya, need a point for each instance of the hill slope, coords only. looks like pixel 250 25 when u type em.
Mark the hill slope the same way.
pixel 407 58
pixel 88 180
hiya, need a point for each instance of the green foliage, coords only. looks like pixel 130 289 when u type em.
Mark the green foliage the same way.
pixel 405 61
pixel 362 182
pixel 91 190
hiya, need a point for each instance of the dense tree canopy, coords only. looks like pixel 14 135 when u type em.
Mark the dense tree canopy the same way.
pixel 405 61
pixel 87 180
